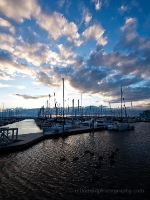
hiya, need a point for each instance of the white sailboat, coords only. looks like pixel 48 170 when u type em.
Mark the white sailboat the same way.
pixel 120 126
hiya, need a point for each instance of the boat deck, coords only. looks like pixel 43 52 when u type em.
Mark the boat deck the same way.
pixel 26 140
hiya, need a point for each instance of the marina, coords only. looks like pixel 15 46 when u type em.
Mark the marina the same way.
pixel 101 160
pixel 11 141
pixel 75 100
pixel 24 141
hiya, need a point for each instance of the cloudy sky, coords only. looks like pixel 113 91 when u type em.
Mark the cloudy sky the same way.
pixel 97 46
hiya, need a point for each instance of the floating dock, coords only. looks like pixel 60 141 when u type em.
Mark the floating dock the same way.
pixel 25 141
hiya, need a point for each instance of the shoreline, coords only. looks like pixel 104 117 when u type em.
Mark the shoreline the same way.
pixel 25 141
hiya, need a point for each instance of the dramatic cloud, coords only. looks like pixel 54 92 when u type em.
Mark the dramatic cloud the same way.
pixel 65 52
pixel 78 61
pixel 6 24
pixel 89 81
pixel 20 9
pixel 71 30
pixel 96 32
pixel 127 69
pixel 70 57
pixel 44 79
pixel 138 48
pixel 28 36
pixel 132 94
pixel 130 25
pixel 129 39
pixel 47 41
pixel 39 54
pixel 58 26
pixel 30 97
pixel 10 66
pixel 53 23
pixel 6 42
pixel 135 56
pixel 34 53
pixel 121 62
pixel 84 79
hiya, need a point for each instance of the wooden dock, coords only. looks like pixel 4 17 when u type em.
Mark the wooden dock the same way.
pixel 27 140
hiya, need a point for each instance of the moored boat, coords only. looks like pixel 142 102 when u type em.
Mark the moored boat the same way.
pixel 101 123
pixel 120 126
pixel 113 126
pixel 125 126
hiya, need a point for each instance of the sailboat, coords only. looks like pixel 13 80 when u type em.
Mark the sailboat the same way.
pixel 120 126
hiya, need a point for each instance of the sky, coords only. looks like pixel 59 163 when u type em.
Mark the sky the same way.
pixel 97 46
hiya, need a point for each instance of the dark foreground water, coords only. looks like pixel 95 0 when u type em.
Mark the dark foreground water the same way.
pixel 38 173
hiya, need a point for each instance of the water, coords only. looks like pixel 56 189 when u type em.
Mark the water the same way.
pixel 25 127
pixel 38 173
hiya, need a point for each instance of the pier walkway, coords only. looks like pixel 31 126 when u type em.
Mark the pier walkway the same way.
pixel 27 140
pixel 8 135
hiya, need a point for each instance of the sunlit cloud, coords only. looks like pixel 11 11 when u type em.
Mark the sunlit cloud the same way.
pixel 96 57
pixel 85 13
pixel 97 4
pixel 5 77
pixel 6 42
pixel 130 24
pixel 24 96
pixel 44 79
pixel 88 18
pixel 20 9
pixel 11 67
pixel 96 32
pixel 53 23
pixel 5 23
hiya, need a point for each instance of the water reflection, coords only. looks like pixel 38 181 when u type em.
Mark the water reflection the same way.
pixel 25 127
pixel 38 172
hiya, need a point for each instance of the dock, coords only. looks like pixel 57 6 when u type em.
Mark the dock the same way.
pixel 25 141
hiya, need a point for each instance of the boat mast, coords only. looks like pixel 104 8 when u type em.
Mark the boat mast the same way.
pixel 63 108
pixel 121 102
pixel 49 107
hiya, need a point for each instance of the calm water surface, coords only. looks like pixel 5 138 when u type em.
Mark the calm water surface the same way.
pixel 25 127
pixel 38 173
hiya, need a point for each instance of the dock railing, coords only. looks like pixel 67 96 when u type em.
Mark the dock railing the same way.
pixel 8 135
